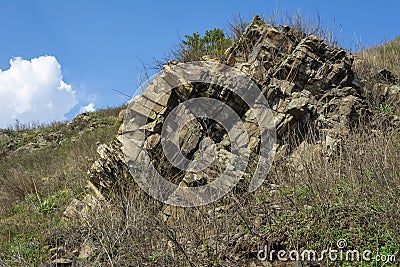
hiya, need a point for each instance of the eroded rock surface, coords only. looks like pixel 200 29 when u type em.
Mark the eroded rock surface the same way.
pixel 310 86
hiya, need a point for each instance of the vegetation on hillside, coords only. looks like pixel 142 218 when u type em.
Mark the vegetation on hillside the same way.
pixel 38 183
pixel 213 43
pixel 386 56
pixel 352 196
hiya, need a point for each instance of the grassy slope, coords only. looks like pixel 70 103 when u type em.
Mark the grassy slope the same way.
pixel 370 62
pixel 354 196
pixel 37 185
pixel 384 56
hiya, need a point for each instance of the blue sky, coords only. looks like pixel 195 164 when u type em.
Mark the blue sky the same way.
pixel 100 45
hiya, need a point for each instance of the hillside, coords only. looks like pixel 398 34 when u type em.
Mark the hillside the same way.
pixel 68 198
pixel 386 55
pixel 42 170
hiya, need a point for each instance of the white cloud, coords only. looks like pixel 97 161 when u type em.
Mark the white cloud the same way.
pixel 33 90
pixel 89 108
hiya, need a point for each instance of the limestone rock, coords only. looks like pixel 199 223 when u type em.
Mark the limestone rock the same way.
pixel 78 211
pixel 310 86
pixel 86 250
pixel 385 75
pixel 62 262
pixel 109 168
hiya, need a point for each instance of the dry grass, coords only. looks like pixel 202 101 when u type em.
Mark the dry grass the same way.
pixel 369 62
pixel 352 195
pixel 306 203
pixel 386 56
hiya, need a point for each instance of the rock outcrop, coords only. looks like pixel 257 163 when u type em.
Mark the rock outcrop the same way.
pixel 310 86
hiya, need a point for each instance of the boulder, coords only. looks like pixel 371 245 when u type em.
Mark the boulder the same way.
pixel 310 87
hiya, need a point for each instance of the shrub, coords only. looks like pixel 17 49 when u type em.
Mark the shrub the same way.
pixel 194 47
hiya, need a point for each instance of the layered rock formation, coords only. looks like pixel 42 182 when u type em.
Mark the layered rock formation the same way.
pixel 310 86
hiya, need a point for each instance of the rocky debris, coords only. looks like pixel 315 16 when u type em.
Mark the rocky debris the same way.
pixel 386 76
pixel 309 85
pixel 109 168
pixel 62 262
pixel 86 250
pixel 79 210
pixel 383 93
pixel 80 122
pixel 61 257
pixel 42 140
pixel 31 139
pixel 389 96
pixel 86 121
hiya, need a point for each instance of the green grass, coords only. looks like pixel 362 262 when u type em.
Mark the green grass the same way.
pixel 39 185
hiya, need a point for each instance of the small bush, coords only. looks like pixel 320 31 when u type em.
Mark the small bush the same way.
pixel 213 43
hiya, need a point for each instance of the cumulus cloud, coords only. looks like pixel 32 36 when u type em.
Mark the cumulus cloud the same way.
pixel 89 108
pixel 33 90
